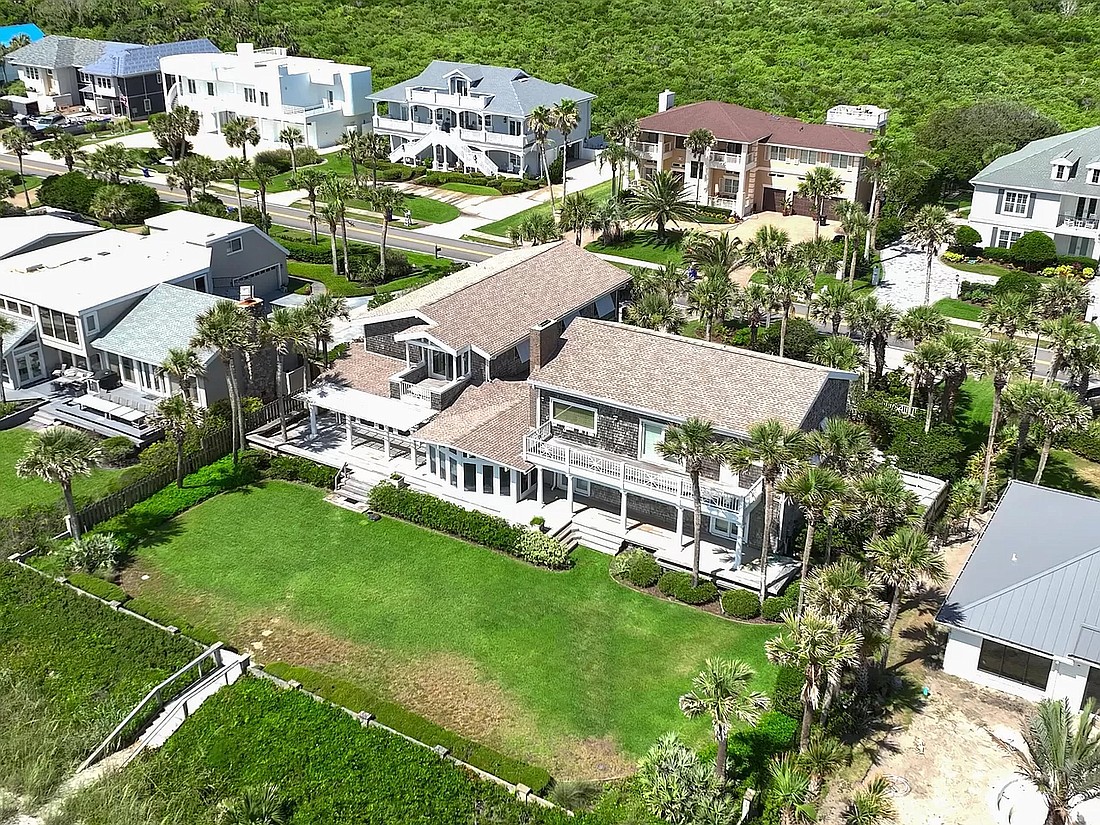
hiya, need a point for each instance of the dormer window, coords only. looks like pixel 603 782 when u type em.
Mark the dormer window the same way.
pixel 1094 175
pixel 460 86
pixel 1061 171
pixel 1062 168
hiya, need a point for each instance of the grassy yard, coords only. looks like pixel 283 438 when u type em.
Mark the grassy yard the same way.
pixel 954 308
pixel 569 670
pixel 859 285
pixel 424 210
pixel 600 192
pixel 470 189
pixel 16 492
pixel 644 245
pixel 981 268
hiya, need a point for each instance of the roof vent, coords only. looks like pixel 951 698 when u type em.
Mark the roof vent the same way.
pixel 1014 558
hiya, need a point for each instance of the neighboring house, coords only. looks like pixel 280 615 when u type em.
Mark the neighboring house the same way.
pixel 76 291
pixel 8 34
pixel 470 117
pixel 27 233
pixel 105 76
pixel 1023 617
pixel 1052 186
pixel 321 98
pixel 758 159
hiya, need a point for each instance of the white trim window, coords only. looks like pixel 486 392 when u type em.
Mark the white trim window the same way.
pixel 91 323
pixel 777 153
pixel 190 86
pixel 582 487
pixel 264 99
pixel 650 434
pixel 1007 237
pixel 249 94
pixel 233 246
pixel 1015 203
pixel 807 156
pixel 573 416
pixel 723 527
pixel 1094 175
pixel 838 160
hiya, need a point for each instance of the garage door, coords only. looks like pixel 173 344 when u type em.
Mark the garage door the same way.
pixel 772 200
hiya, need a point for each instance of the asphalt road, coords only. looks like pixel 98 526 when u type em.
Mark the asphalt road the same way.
pixel 289 216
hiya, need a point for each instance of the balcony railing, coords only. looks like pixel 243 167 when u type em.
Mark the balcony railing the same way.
pixel 491 138
pixel 725 158
pixel 432 97
pixel 316 108
pixel 537 444
pixel 649 150
pixel 392 124
pixel 1079 221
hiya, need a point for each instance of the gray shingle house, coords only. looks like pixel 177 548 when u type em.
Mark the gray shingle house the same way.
pixel 1023 616
pixel 471 117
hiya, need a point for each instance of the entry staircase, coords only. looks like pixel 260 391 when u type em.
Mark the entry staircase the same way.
pixel 468 155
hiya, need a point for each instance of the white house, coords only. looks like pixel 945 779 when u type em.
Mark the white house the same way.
pixel 1024 615
pixel 469 117
pixel 321 98
pixel 1052 185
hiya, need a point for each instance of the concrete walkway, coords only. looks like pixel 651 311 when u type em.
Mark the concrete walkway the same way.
pixel 904 271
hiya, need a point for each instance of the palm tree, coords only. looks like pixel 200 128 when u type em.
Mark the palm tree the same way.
pixel 842 445
pixel 1063 296
pixel 713 297
pixel 19 143
pixel 617 156
pixel 241 131
pixel 540 123
pixel 778 449
pixel 660 200
pixel 844 211
pixel 1009 312
pixel 336 191
pixel 838 353
pixel 962 348
pixel 819 184
pixel 384 199
pixel 816 490
pixel 224 328
pixel 1061 758
pixel 753 304
pixel 59 454
pixel 263 175
pixel 874 321
pixel 110 203
pixel 721 691
pixel 565 116
pixel 884 496
pixel 352 147
pixel 236 170
pixel 819 256
pixel 623 129
pixel 872 804
pixel 183 366
pixel 7 327
pixel 904 561
pixel 931 229
pixel 719 250
pixel 879 159
pixel 790 788
pixel 785 286
pixel 859 227
pixel 322 310
pixel 693 444
pixel 110 161
pixel 292 136
pixel 286 329
pixel 1000 361
pixel 191 173
pixel 928 363
pixel 769 249
pixel 310 179
pixel 917 324
pixel 577 212
pixel 1022 399
pixel 256 806
pixel 179 418
pixel 823 756
pixel 1059 411
pixel 698 143
pixel 332 215
pixel 1065 334
pixel 64 147
pixel 608 220
pixel 375 147
pixel 830 304
pixel 820 650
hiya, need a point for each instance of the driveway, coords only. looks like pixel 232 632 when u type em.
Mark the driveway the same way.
pixel 904 271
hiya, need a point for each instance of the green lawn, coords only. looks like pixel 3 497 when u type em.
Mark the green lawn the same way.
pixel 981 268
pixel 336 284
pixel 16 492
pixel 954 308
pixel 859 285
pixel 425 210
pixel 600 192
pixel 470 189
pixel 975 408
pixel 644 245
pixel 566 669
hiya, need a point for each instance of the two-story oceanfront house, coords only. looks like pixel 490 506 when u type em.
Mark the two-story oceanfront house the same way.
pixel 469 117
pixel 758 159
pixel 106 77
pixel 1052 185
pixel 321 98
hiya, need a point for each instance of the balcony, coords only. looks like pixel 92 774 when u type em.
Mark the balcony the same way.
pixel 431 97
pixel 648 150
pixel 1080 224
pixel 404 127
pixel 491 138
pixel 725 160
pixel 542 449
pixel 315 109
pixel 416 387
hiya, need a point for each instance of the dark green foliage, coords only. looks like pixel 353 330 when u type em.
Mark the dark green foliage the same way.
pixel 295 468
pixel 106 590
pixel 774 607
pixel 802 336
pixel 168 618
pixel 252 215
pixel 939 453
pixel 363 258
pixel 637 567
pixel 751 749
pixel 1078 261
pixel 966 237
pixel 72 191
pixel 31 528
pixel 677 585
pixel 117 451
pixel 890 230
pixel 277 159
pixel 976 293
pixel 498 182
pixel 357 698
pixel 1033 251
pixel 555 169
pixel 787 693
pixel 741 604
pixel 1085 443
pixel 1017 282
pixel 144 202
pixel 996 253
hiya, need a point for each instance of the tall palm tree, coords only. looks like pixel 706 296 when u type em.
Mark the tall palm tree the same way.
pixel 815 490
pixel 623 129
pixel 59 454
pixel 64 147
pixel 712 250
pixel 928 361
pixel 916 324
pixel 879 158
pixel 722 691
pixel 565 116
pixel 241 131
pixel 577 212
pixel 224 328
pixel 376 147
pixel 7 327
pixel 874 321
pixel 790 788
pixel 698 142
pixel 336 192
pixel 352 147
pixel 842 445
pixel 753 304
pixel 713 297
pixel 830 304
pixel 292 137
pixel 821 651
pixel 903 561
pixel 1008 313
pixel 332 214
pixel 1021 400
pixel 1061 757
pixel 820 184
pixel 872 804
pixel 178 416
pixel 263 175
pixel 845 212
pixel 384 199
pixel 1059 411
pixel 286 329
pixel 818 256
pixel 660 201
pixel 183 366
pixel 962 349
pixel 884 496
pixel 324 309
pixel 1063 296
pixel 786 285
pixel 931 229
pixel 694 445
pixel 310 179
pixel 1065 334
pixel 540 122
pixel 617 156
pixel 236 170
pixel 778 449
pixel 19 143
pixel 768 249
pixel 1000 361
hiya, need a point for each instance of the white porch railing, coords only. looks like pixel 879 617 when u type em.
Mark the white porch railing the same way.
pixel 415 394
pixel 724 202
pixel 648 150
pixel 1084 222
pixel 725 158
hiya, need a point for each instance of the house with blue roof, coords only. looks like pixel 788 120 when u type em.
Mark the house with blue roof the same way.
pixel 110 78
pixel 473 118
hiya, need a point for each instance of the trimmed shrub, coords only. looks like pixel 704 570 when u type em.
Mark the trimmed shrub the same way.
pixel 1033 250
pixel 252 215
pixel 966 238
pixel 890 230
pixel 513 187
pixel 740 604
pixel 637 567
pixel 362 258
pixel 306 156
pixel 774 607
pixel 166 617
pixel 97 587
pixel 751 749
pixel 295 468
pixel 277 159
pixel 802 336
pixel 144 202
pixel 536 547
pixel 677 585
pixel 1085 443
pixel 1017 282
pixel 975 293
pixel 117 451
pixel 1077 261
pixel 939 453
pixel 72 191
pixel 787 692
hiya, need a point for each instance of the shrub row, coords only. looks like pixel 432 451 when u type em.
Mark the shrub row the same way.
pixel 357 698
pixel 295 468
pixel 105 590
pixel 787 692
pixel 1085 443
pixel 506 186
pixel 775 606
pixel 360 257
pixel 75 192
pixel 279 159
pixel 635 566
pixel 678 586
pixel 740 604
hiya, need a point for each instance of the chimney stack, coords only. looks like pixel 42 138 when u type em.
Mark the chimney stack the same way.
pixel 545 343
pixel 666 100
pixel 245 49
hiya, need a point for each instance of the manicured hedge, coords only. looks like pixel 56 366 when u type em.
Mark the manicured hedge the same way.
pixel 774 607
pixel 637 567
pixel 97 587
pixel 678 586
pixel 357 698
pixel 360 257
pixel 295 468
pixel 787 693
pixel 436 514
pixel 498 182
pixel 740 604
pixel 72 191
pixel 751 750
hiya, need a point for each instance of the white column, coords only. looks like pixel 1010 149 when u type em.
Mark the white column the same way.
pixel 569 491
pixel 513 483
pixel 313 420
pixel 539 495
pixel 622 511
pixel 679 525
pixel 347 429
pixel 386 439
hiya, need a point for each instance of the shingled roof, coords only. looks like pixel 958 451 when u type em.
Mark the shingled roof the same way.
pixel 56 51
pixel 679 378
pixel 487 421
pixel 728 121
pixel 1033 577
pixel 141 60
pixel 163 320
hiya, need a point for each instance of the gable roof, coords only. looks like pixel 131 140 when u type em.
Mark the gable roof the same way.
pixel 1033 578
pixel 163 320
pixel 512 91
pixel 488 421
pixel 141 60
pixel 22 327
pixel 56 51
pixel 1030 167
pixel 678 378
pixel 728 121
pixel 22 232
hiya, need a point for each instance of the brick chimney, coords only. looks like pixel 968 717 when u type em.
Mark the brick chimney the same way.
pixel 545 343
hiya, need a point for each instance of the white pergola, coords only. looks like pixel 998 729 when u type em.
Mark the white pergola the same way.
pixel 389 415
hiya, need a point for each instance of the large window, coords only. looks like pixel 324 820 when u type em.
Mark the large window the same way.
pixel 807 156
pixel 190 86
pixel 1015 203
pixel 777 153
pixel 17 306
pixel 573 416
pixel 840 161
pixel 723 527
pixel 652 434
pixel 1014 664
pixel 59 325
